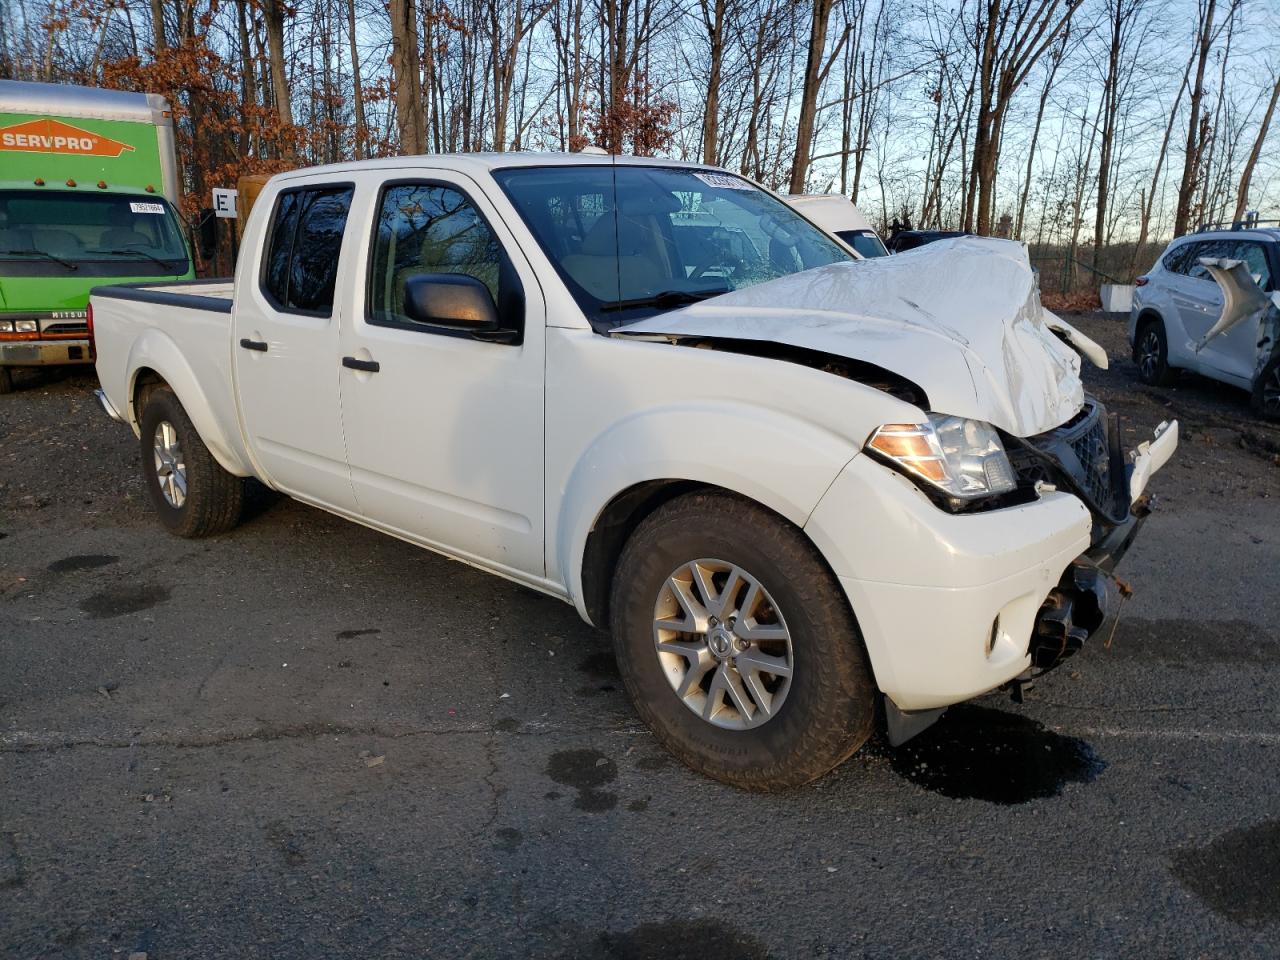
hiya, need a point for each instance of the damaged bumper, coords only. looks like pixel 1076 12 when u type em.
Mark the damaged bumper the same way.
pixel 954 606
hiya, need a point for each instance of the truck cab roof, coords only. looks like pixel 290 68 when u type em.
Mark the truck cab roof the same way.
pixel 472 163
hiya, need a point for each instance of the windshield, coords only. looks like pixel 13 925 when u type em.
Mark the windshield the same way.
pixel 864 241
pixel 123 233
pixel 631 241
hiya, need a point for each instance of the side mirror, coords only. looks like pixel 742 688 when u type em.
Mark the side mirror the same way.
pixel 451 300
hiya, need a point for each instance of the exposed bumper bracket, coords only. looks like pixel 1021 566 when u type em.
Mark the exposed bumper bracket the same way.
pixel 904 724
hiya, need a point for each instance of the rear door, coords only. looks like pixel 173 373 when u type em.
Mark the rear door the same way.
pixel 445 431
pixel 286 346
pixel 1235 352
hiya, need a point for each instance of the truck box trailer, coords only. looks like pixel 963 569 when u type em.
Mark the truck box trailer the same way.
pixel 88 182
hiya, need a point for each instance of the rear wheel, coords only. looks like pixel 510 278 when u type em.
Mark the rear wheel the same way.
pixel 192 494
pixel 6 380
pixel 1151 354
pixel 1266 390
pixel 737 646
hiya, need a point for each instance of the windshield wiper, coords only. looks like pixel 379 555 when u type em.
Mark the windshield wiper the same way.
pixel 129 252
pixel 33 252
pixel 667 298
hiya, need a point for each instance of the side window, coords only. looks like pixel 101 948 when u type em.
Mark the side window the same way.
pixel 1178 260
pixel 1255 257
pixel 428 228
pixel 1210 248
pixel 275 281
pixel 301 266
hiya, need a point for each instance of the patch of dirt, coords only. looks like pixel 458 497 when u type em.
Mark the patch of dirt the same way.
pixel 62 458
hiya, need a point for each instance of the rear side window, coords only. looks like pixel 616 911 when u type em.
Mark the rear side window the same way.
pixel 1178 260
pixel 1217 249
pixel 1255 257
pixel 301 265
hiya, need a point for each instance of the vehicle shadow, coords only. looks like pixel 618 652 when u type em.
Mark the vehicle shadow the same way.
pixel 979 753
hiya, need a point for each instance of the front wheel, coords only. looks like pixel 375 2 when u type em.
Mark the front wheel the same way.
pixel 1266 390
pixel 737 646
pixel 193 495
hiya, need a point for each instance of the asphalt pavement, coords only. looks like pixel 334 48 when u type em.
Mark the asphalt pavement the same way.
pixel 307 740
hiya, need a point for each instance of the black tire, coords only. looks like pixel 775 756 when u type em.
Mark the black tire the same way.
pixel 826 713
pixel 1266 389
pixel 213 498
pixel 1151 354
pixel 6 380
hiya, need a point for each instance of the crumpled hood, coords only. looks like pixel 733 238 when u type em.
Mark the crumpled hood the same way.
pixel 960 318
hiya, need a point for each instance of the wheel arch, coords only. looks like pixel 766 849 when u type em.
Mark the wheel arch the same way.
pixel 642 461
pixel 156 360
pixel 1145 316
pixel 624 513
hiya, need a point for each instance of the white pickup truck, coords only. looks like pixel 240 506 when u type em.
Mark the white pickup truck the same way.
pixel 789 482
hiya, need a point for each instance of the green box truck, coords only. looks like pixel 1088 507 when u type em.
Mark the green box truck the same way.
pixel 88 178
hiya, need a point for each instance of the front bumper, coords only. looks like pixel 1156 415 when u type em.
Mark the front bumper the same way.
pixel 953 606
pixel 42 353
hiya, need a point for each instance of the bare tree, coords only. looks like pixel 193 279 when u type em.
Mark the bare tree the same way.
pixel 1009 37
pixel 1122 17
pixel 407 77
pixel 1242 195
pixel 817 66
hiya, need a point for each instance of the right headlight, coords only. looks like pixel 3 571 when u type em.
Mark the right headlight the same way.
pixel 959 458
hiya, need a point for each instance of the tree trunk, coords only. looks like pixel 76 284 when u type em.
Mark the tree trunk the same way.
pixel 1110 109
pixel 273 15
pixel 362 125
pixel 1031 153
pixel 1195 129
pixel 809 96
pixel 1144 219
pixel 1242 196
pixel 407 77
pixel 158 44
pixel 713 13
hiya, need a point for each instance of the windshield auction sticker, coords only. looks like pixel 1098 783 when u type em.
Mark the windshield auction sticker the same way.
pixel 147 207
pixel 723 181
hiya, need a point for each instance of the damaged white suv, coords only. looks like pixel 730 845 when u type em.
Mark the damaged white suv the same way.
pixel 1210 304
pixel 788 481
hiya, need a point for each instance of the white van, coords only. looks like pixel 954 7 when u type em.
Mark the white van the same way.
pixel 837 215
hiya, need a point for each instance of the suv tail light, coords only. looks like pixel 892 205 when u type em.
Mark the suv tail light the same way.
pixel 88 321
pixel 1140 282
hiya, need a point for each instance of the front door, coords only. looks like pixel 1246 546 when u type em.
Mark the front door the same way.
pixel 1235 351
pixel 1199 298
pixel 445 431
pixel 286 347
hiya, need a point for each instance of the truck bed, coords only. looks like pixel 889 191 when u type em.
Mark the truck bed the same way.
pixel 214 294
pixel 183 328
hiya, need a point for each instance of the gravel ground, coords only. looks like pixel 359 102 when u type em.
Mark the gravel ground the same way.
pixel 304 739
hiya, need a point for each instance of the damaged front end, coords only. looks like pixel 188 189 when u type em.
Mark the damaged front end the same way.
pixel 1084 457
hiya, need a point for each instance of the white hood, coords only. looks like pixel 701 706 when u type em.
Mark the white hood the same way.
pixel 960 318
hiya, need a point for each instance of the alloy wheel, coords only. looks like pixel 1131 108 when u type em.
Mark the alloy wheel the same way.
pixel 723 644
pixel 171 468
pixel 1149 354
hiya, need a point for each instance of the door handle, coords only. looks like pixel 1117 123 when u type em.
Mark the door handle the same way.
pixel 368 366
pixel 259 345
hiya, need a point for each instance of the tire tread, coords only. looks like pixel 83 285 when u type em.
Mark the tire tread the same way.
pixel 845 685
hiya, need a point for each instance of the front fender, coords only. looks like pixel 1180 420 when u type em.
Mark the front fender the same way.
pixel 781 462
pixel 155 350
